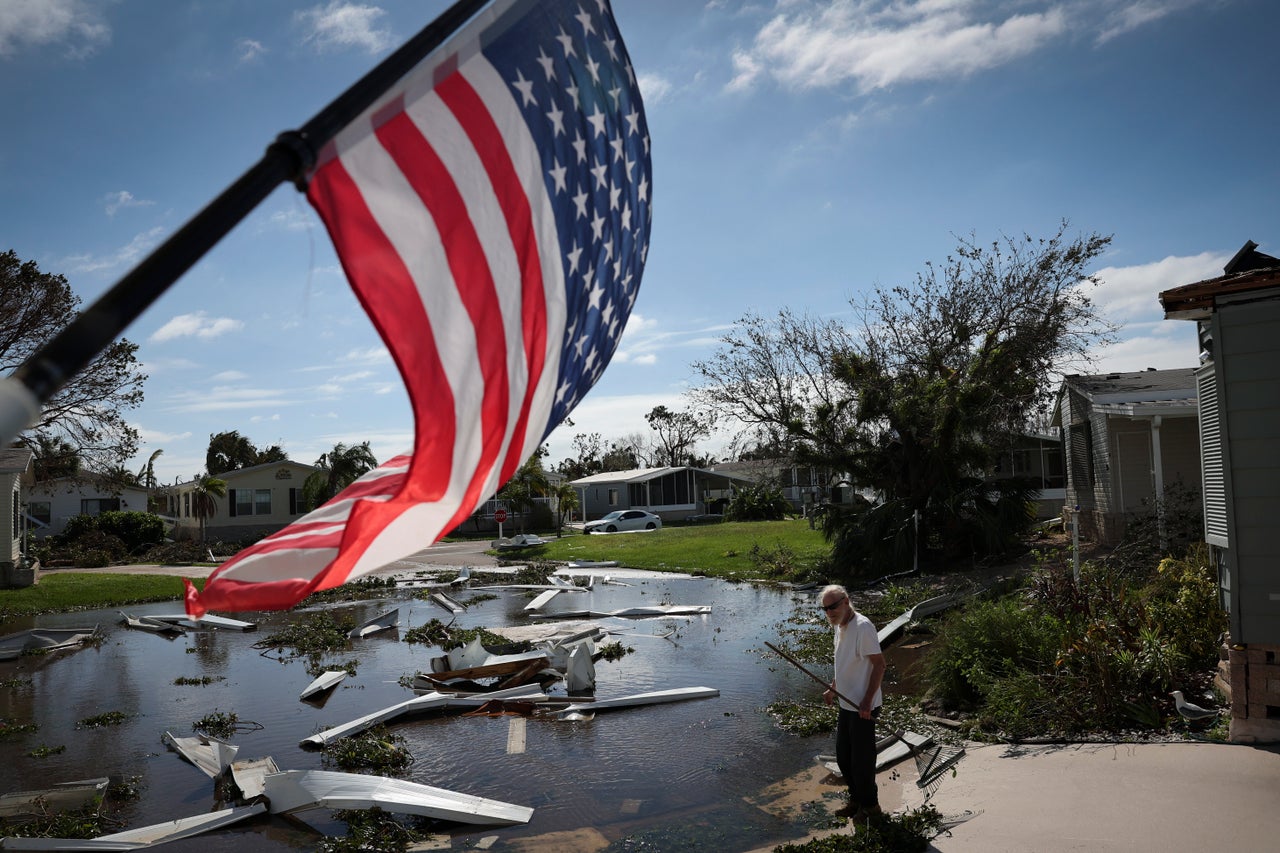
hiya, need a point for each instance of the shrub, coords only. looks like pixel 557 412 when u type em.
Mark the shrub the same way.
pixel 761 502
pixel 135 529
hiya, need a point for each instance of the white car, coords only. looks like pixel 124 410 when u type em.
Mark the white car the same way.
pixel 624 519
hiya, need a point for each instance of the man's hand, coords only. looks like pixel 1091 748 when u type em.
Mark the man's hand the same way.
pixel 829 695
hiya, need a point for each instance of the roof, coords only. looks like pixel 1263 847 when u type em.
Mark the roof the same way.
pixel 1139 393
pixel 1249 271
pixel 1139 385
pixel 15 460
pixel 643 475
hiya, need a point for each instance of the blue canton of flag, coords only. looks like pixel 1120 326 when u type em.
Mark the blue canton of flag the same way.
pixel 579 96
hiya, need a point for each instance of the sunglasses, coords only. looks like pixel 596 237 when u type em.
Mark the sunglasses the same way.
pixel 833 605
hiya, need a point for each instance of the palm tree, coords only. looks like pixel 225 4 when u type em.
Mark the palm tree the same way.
pixel 529 482
pixel 203 505
pixel 147 474
pixel 55 457
pixel 339 468
pixel 566 497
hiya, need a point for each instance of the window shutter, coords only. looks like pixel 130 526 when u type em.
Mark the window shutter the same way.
pixel 293 501
pixel 231 502
pixel 1212 470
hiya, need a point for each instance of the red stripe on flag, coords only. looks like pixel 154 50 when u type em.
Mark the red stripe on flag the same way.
pixel 465 104
pixel 473 277
pixel 390 296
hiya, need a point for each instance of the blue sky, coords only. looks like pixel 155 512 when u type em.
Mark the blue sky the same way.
pixel 803 152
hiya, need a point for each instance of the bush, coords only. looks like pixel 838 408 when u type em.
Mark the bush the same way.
pixel 137 530
pixel 760 502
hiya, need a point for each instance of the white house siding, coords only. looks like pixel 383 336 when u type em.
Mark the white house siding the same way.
pixel 1249 402
pixel 237 519
pixel 65 499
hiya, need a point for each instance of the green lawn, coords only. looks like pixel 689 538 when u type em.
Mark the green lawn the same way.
pixel 783 549
pixel 57 593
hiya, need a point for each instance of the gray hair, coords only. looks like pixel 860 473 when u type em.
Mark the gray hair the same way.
pixel 833 587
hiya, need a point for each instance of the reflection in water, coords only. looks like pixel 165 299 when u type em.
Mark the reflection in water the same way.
pixel 625 772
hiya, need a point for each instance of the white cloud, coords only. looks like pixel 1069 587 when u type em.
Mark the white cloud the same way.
pixel 340 25
pixel 229 376
pixel 127 255
pixel 119 200
pixel 1138 13
pixel 654 88
pixel 195 325
pixel 291 220
pixel 76 24
pixel 1132 293
pixel 879 45
pixel 223 398
pixel 371 355
pixel 155 436
pixel 257 419
pixel 247 50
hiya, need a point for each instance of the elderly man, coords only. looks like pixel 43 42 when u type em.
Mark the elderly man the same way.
pixel 859 668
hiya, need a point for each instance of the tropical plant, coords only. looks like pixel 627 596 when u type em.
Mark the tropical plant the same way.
pixel 525 486
pixel 203 499
pixel 566 498
pixel 339 468
pixel 231 451
pixel 147 473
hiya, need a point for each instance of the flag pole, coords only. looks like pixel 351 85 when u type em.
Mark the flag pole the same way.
pixel 288 158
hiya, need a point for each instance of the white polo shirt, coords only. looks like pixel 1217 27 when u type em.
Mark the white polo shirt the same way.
pixel 855 640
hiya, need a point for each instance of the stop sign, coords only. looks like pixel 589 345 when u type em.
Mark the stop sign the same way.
pixel 500 515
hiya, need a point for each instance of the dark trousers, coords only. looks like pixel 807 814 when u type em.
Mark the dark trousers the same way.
pixel 856 756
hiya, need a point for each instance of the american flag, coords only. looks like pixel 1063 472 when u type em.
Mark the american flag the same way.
pixel 492 214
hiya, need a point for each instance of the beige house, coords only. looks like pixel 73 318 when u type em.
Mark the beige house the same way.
pixel 14 462
pixel 259 500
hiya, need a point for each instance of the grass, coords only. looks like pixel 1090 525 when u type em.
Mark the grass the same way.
pixel 719 550
pixel 60 593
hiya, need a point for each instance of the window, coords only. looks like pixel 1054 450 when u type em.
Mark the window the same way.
pixel 41 511
pixel 613 497
pixel 251 501
pixel 186 504
pixel 93 506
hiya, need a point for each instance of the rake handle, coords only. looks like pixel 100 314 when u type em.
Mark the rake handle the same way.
pixel 831 686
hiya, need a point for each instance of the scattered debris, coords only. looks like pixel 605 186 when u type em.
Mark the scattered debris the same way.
pixel 65 796
pixel 248 775
pixel 299 790
pixel 418 704
pixel 651 612
pixel 208 620
pixel 520 540
pixel 155 626
pixel 211 755
pixel 581 710
pixel 325 682
pixel 145 836
pixel 381 622
pixel 446 602
pixel 375 750
pixel 39 640
pixel 921 610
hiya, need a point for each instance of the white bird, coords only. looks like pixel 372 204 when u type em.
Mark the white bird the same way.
pixel 1191 712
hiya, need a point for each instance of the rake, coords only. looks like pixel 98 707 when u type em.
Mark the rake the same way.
pixel 932 763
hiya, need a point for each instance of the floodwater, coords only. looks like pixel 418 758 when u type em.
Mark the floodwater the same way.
pixel 677 768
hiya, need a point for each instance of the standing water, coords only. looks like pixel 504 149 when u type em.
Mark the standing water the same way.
pixel 680 772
